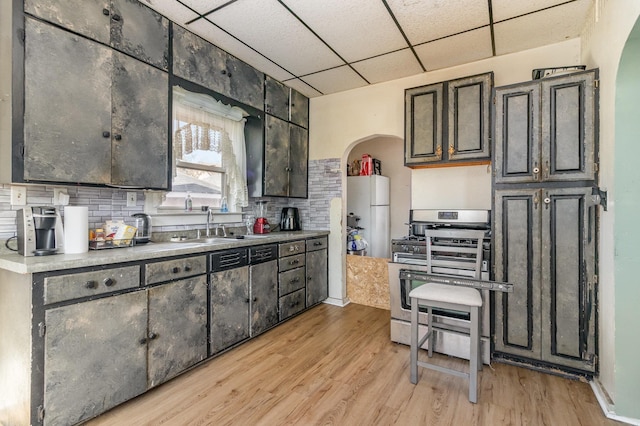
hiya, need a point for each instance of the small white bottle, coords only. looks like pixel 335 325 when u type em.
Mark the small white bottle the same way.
pixel 223 207
pixel 188 203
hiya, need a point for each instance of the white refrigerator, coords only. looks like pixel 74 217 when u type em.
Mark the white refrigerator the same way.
pixel 368 197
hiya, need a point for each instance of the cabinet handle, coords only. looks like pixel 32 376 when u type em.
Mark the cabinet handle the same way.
pixel 143 341
pixel 106 134
pixel 536 170
pixel 105 12
pixel 109 282
pixel 187 268
pixel 294 262
pixel 255 299
pixel 116 17
pixel 117 137
pixel 292 248
pixel 317 243
pixel 91 284
pixel 547 201
pixel 152 336
pixel 224 71
pixel 294 280
pixel 175 270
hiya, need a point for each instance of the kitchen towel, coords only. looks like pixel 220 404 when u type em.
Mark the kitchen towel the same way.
pixel 76 229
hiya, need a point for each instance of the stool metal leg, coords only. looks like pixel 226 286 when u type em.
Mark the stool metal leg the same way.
pixel 432 336
pixel 474 355
pixel 414 341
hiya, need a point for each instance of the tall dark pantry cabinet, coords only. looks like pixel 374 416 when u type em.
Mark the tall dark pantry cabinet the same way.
pixel 545 221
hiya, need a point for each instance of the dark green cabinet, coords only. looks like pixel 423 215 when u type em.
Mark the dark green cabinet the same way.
pixel 449 122
pixel 111 113
pixel 203 63
pixel 126 25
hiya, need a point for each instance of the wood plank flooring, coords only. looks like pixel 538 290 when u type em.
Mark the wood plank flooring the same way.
pixel 337 366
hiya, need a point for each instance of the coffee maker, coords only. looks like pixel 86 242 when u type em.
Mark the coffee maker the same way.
pixel 290 219
pixel 40 231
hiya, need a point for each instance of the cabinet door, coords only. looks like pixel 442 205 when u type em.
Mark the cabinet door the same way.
pixel 91 18
pixel 517 133
pixel 568 127
pixel 276 98
pixel 517 261
pixel 298 161
pixel 568 295
pixel 264 296
pixel 95 356
pixel 67 119
pixel 177 327
pixel 299 109
pixel 199 61
pixel 276 157
pixel 140 124
pixel 423 124
pixel 469 117
pixel 229 319
pixel 140 32
pixel 246 83
pixel 317 281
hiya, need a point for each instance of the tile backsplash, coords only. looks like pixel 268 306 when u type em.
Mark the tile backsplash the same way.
pixel 111 204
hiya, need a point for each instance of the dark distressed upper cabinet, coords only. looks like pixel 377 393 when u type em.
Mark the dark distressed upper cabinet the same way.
pixel 229 317
pixel 276 98
pixel 264 296
pixel 88 349
pixel 299 109
pixel 469 117
pixel 201 62
pixel 286 156
pixel 110 113
pixel 545 130
pixel 423 124
pixel 127 25
pixel 545 245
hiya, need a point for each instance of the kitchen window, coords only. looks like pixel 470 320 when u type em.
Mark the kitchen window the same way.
pixel 208 152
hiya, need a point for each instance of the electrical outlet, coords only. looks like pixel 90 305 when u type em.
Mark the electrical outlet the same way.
pixel 18 195
pixel 58 196
pixel 132 197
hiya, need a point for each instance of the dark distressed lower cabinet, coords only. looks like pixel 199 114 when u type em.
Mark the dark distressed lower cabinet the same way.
pixel 95 357
pixel 545 245
pixel 229 322
pixel 264 296
pixel 317 273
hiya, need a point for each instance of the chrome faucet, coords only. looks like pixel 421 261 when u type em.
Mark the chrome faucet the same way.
pixel 224 231
pixel 209 213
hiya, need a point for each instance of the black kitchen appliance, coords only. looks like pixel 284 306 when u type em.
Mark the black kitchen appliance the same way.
pixel 39 231
pixel 290 219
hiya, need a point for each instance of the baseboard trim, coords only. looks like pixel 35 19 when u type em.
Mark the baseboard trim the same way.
pixel 337 302
pixel 607 405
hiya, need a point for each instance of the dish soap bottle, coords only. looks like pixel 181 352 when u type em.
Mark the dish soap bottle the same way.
pixel 223 205
pixel 188 203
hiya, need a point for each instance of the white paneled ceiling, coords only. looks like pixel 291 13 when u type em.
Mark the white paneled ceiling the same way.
pixel 327 46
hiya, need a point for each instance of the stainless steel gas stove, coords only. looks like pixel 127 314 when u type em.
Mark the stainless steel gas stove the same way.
pixel 410 253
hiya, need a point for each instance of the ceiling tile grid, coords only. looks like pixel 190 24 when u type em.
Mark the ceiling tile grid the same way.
pixel 320 47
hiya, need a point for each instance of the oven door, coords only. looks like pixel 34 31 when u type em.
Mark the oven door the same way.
pixel 410 258
pixel 405 288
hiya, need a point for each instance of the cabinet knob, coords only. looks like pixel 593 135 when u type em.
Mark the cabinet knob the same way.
pixel 91 284
pixel 115 17
pixel 106 134
pixel 317 243
pixel 248 300
pixel 117 137
pixel 143 341
pixel 294 262
pixel 105 12
pixel 175 270
pixel 255 299
pixel 152 336
pixel 109 282
pixel 294 280
pixel 187 268
pixel 224 71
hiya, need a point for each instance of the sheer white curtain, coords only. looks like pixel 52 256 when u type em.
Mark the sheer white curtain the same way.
pixel 213 126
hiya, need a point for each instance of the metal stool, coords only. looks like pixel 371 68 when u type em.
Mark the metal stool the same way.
pixel 464 299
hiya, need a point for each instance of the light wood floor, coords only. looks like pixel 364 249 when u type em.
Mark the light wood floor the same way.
pixel 337 366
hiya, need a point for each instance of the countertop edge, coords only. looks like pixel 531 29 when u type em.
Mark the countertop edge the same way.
pixel 29 265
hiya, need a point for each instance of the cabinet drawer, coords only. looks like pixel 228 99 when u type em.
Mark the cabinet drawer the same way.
pixel 291 304
pixel 291 280
pixel 317 243
pixel 174 269
pixel 291 262
pixel 287 249
pixel 73 286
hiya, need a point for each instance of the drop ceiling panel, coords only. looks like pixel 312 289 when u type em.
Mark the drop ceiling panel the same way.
pixel 356 29
pixel 271 30
pixel 546 27
pixel 424 21
pixel 208 31
pixel 505 9
pixel 335 80
pixel 389 67
pixel 203 6
pixel 172 9
pixel 302 87
pixel 459 49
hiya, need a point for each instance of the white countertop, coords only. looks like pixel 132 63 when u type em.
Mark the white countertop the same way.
pixel 27 265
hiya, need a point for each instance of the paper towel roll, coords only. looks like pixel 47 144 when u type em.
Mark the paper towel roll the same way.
pixel 76 229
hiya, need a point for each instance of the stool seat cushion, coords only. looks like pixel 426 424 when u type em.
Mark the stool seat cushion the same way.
pixel 448 294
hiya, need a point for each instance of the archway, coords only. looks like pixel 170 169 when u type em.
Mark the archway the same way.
pixel 366 277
